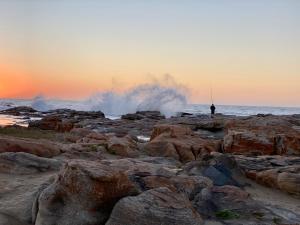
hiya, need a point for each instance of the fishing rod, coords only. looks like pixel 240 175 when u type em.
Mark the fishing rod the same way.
pixel 211 94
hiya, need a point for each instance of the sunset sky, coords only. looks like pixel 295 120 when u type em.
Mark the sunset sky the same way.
pixel 249 51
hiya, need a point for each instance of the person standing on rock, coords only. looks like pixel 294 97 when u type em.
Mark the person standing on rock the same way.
pixel 212 109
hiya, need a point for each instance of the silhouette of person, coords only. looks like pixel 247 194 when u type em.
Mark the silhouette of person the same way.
pixel 212 109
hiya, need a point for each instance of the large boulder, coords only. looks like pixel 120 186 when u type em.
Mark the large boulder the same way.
pixel 40 148
pixel 263 135
pixel 179 142
pixel 155 207
pixel 83 193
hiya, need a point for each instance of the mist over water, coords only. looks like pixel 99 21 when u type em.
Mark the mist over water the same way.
pixel 163 95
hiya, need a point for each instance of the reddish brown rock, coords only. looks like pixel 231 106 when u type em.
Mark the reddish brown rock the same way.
pixel 286 179
pixel 94 138
pixel 266 135
pixel 171 130
pixel 53 122
pixel 40 148
pixel 280 172
pixel 124 146
pixel 180 143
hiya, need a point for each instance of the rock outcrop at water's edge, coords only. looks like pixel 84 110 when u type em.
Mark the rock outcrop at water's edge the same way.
pixel 80 168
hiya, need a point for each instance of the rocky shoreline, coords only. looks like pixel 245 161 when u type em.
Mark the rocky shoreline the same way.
pixel 80 168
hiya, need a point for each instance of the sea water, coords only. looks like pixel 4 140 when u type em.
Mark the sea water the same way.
pixel 189 108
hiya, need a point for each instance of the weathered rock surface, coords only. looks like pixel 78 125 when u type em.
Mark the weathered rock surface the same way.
pixel 267 135
pixel 64 120
pixel 273 171
pixel 219 169
pixel 234 206
pixel 124 146
pixel 155 207
pixel 83 193
pixel 22 177
pixel 41 148
pixel 180 143
pixel 24 163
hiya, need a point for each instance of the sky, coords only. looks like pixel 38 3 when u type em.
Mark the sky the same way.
pixel 247 51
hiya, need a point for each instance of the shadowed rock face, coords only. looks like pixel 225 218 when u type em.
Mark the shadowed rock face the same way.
pixel 155 207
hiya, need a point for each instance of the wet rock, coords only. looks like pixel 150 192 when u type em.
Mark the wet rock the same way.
pixel 155 207
pixel 18 111
pixel 40 148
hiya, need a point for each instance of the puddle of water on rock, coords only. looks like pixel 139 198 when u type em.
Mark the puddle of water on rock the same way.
pixel 8 120
pixel 112 117
pixel 143 138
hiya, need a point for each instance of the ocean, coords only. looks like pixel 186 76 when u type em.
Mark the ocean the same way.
pixel 42 104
